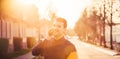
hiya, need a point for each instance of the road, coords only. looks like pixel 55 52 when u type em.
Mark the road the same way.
pixel 86 51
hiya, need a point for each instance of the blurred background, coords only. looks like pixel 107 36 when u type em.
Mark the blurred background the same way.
pixel 23 23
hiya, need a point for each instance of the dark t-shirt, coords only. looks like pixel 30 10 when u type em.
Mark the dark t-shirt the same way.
pixel 54 49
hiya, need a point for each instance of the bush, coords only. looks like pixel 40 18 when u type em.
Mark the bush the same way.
pixel 3 47
pixel 16 54
pixel 17 42
pixel 117 47
pixel 30 42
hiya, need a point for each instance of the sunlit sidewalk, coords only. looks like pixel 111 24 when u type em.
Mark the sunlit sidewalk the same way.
pixel 26 56
pixel 81 53
pixel 108 51
pixel 104 50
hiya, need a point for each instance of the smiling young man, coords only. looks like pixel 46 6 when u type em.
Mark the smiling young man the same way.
pixel 58 47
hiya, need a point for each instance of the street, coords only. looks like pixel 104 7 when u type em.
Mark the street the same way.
pixel 88 52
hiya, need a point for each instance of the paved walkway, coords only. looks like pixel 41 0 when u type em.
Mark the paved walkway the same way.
pixel 89 51
pixel 77 44
pixel 26 56
pixel 108 51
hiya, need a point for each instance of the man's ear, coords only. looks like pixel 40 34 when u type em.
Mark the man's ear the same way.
pixel 72 55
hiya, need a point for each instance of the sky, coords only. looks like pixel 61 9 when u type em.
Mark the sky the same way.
pixel 68 9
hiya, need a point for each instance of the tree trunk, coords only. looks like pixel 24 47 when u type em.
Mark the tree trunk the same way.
pixel 111 39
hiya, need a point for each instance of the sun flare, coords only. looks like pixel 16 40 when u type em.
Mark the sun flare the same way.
pixel 68 9
pixel 71 9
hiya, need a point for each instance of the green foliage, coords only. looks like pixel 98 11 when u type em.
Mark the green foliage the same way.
pixel 17 42
pixel 30 42
pixel 3 47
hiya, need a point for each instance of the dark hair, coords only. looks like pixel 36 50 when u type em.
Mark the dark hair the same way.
pixel 62 20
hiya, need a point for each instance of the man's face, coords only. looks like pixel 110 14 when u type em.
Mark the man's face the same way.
pixel 58 30
pixel 59 25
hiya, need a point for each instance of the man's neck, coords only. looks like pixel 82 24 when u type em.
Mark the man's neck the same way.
pixel 57 39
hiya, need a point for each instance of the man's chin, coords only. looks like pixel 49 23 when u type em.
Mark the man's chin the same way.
pixel 59 37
